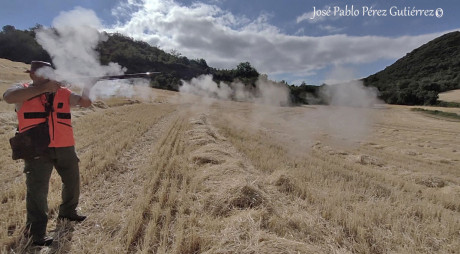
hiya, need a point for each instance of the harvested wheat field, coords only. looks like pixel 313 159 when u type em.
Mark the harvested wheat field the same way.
pixel 453 96
pixel 177 174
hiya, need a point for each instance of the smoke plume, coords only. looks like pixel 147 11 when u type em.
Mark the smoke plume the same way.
pixel 205 87
pixel 344 90
pixel 349 117
pixel 265 91
pixel 346 121
pixel 72 43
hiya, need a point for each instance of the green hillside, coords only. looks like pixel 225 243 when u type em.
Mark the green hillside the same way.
pixel 418 77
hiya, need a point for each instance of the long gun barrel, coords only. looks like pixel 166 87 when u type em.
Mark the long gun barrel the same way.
pixel 110 77
pixel 127 76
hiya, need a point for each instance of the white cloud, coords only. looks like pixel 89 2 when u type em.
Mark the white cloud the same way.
pixel 330 29
pixel 300 32
pixel 224 40
pixel 307 16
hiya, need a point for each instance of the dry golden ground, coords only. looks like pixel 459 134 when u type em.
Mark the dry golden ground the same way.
pixel 10 73
pixel 397 191
pixel 453 96
pixel 180 175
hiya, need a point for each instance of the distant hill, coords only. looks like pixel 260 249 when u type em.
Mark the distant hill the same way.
pixel 422 74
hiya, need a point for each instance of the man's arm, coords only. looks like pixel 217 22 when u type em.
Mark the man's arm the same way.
pixel 17 94
pixel 82 100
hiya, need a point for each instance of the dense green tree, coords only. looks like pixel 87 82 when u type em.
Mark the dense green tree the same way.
pixel 245 70
pixel 20 45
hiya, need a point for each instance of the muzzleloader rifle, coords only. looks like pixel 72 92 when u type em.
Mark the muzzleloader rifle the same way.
pixel 127 76
pixel 112 77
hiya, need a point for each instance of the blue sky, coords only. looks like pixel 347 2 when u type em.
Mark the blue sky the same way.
pixel 279 38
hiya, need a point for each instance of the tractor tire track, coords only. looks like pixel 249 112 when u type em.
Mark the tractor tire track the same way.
pixel 108 199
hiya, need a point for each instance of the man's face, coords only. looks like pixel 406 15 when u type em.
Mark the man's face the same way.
pixel 42 75
pixel 37 79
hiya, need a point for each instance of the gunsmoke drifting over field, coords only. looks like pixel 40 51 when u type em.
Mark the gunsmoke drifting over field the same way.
pixel 344 90
pixel 265 91
pixel 71 45
pixel 204 86
pixel 347 120
pixel 349 116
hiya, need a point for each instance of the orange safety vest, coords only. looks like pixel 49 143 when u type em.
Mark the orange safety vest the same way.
pixel 33 112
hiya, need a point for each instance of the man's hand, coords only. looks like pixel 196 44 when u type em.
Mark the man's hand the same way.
pixel 50 86
pixel 82 100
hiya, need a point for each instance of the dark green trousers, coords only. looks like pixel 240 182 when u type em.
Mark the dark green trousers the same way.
pixel 38 173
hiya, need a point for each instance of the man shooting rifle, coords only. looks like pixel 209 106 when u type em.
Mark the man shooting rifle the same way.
pixel 45 104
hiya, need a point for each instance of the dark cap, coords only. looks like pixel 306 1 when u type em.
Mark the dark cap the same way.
pixel 35 65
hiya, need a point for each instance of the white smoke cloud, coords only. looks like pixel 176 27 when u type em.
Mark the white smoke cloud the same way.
pixel 266 92
pixel 351 93
pixel 349 118
pixel 263 102
pixel 122 88
pixel 347 121
pixel 204 86
pixel 72 46
pixel 272 93
pixel 344 90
